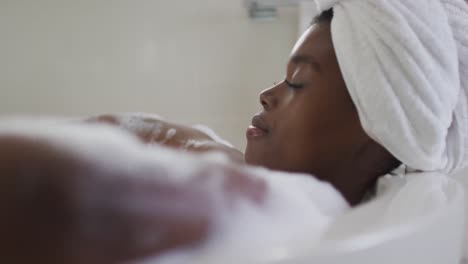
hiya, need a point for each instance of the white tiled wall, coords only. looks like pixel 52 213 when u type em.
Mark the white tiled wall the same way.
pixel 198 61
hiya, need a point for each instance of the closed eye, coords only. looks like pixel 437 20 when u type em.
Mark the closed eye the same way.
pixel 293 85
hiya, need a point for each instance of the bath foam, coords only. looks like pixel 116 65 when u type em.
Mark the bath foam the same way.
pixel 294 217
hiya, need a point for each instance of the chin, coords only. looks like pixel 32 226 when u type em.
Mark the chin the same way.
pixel 252 157
pixel 257 160
pixel 249 159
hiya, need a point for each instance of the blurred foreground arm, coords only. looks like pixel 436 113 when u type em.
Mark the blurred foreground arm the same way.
pixel 58 207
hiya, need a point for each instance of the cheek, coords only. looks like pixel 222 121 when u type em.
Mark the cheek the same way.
pixel 307 131
pixel 302 120
pixel 297 134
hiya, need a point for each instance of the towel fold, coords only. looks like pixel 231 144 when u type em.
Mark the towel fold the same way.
pixel 405 64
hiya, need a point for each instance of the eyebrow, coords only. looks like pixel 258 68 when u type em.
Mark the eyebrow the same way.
pixel 306 59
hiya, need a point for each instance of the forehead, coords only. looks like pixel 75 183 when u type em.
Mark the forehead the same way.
pixel 317 42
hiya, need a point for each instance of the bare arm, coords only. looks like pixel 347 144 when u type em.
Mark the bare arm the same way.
pixel 56 207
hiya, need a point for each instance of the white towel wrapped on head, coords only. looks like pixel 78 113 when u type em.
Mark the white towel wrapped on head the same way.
pixel 405 64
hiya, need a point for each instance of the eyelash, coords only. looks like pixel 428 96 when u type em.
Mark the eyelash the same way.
pixel 293 85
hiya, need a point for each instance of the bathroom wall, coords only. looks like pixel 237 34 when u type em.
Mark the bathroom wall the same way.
pixel 198 61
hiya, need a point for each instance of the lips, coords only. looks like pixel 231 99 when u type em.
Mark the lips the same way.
pixel 259 122
pixel 258 128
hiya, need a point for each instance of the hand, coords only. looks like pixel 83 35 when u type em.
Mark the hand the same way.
pixel 153 130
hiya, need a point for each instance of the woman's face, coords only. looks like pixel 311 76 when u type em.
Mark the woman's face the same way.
pixel 309 123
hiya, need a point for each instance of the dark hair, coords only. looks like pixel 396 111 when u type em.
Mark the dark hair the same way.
pixel 325 16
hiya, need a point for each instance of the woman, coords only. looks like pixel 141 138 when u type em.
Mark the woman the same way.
pixel 309 123
pixel 362 95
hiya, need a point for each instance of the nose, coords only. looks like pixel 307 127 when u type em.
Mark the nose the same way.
pixel 269 98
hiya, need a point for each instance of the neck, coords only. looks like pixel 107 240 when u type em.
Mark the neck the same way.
pixel 353 184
